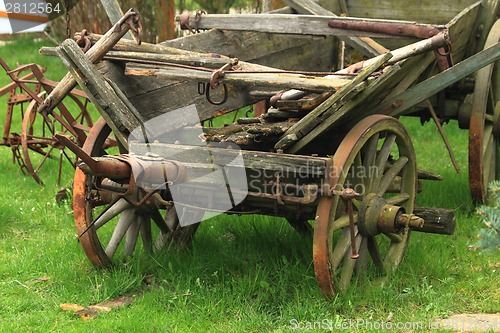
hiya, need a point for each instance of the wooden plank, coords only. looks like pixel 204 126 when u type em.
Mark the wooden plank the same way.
pixel 397 105
pixel 368 47
pixel 130 46
pixel 425 11
pixel 155 97
pixel 318 115
pixel 261 80
pixel 205 157
pixel 488 13
pixel 461 28
pixel 115 13
pixel 313 25
pixel 119 114
pixel 196 60
pixel 413 68
pixel 375 90
pixel 274 50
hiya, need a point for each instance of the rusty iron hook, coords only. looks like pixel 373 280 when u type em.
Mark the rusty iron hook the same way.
pixel 209 98
pixel 84 41
pixel 131 18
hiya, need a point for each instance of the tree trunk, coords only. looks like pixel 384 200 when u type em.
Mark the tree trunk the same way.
pixel 165 21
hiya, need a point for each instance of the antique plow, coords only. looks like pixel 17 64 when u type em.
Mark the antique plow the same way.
pixel 35 143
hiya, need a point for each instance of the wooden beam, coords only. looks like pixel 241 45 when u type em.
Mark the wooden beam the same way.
pixel 397 105
pixel 314 25
pixel 367 46
pixel 94 54
pixel 113 106
pixel 319 115
pixel 305 166
pixel 370 94
pixel 274 81
pixel 115 13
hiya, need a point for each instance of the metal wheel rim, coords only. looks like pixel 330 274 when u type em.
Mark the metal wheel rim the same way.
pixel 324 251
pixel 138 224
pixel 484 142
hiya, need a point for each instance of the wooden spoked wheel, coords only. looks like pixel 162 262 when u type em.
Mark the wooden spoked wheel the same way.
pixel 377 160
pixel 109 216
pixel 37 135
pixel 484 134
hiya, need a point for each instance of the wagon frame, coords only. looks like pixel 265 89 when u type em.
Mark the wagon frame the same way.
pixel 317 128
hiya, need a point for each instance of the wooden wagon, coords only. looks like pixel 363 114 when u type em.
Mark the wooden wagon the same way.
pixel 327 148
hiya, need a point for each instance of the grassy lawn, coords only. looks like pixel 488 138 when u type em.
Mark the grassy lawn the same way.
pixel 242 274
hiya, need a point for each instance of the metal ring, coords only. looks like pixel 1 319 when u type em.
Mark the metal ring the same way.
pixel 209 98
pixel 447 50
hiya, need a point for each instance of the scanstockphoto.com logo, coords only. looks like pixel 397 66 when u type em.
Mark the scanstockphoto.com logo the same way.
pixel 26 15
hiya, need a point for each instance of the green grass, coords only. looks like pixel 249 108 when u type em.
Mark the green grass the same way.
pixel 242 274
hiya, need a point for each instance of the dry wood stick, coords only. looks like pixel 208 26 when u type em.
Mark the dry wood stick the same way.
pixel 95 53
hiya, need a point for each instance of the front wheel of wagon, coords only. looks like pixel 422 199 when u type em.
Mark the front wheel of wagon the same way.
pixel 484 134
pixel 109 221
pixel 377 160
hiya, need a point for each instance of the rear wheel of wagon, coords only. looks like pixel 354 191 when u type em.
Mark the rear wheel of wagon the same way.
pixel 113 221
pixel 484 134
pixel 377 160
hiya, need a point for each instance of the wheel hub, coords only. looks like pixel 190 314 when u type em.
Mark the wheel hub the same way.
pixel 377 216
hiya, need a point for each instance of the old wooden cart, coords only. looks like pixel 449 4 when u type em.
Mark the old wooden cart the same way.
pixel 329 147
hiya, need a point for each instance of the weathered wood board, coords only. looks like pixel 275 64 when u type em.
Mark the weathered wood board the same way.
pixel 424 11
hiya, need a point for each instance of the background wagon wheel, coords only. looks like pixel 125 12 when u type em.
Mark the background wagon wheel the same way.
pixel 108 225
pixel 484 134
pixel 37 136
pixel 376 159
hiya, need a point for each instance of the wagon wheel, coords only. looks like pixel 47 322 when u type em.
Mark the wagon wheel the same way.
pixel 37 136
pixel 376 154
pixel 484 134
pixel 108 225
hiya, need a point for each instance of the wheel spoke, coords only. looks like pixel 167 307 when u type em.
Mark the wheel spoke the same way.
pixel 375 254
pixel 493 159
pixel 382 158
pixel 361 262
pixel 398 199
pixel 340 250
pixel 45 157
pixel 146 234
pixel 111 212
pixel 488 154
pixel 348 266
pixel 370 153
pixel 394 237
pixel 160 222
pixel 132 235
pixel 343 221
pixel 124 222
pixel 391 174
pixel 358 174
